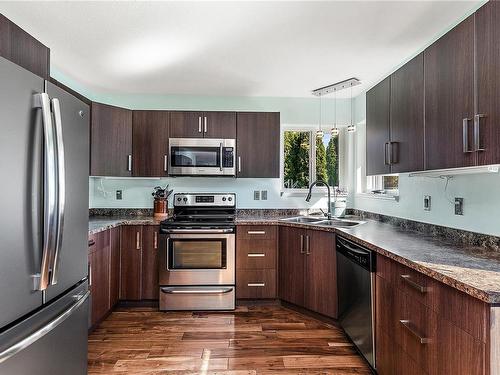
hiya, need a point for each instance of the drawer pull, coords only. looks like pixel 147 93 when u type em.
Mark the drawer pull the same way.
pixel 406 324
pixel 260 285
pixel 413 284
pixel 138 240
pixel 256 232
pixel 255 255
pixel 155 240
pixel 91 243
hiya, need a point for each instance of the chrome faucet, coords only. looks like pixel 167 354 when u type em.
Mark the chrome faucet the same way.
pixel 308 198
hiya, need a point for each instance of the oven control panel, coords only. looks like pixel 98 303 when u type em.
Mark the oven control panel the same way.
pixel 205 199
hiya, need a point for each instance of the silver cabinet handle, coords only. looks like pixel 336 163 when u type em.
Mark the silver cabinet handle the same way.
pixel 205 127
pixel 465 135
pixel 199 124
pixel 138 240
pixel 155 240
pixel 477 134
pixel 302 244
pixel 37 335
pixel 50 188
pixel 256 255
pixel 422 340
pixel 259 285
pixel 308 245
pixel 129 162
pixel 386 148
pixel 252 232
pixel 90 274
pixel 220 155
pixel 172 290
pixel 392 159
pixel 61 188
pixel 165 163
pixel 407 279
pixel 239 163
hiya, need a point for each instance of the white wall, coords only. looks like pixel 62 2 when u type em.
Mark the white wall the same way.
pixel 481 192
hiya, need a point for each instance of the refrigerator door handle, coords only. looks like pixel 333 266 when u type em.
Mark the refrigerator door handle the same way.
pixel 61 187
pixel 50 190
pixel 37 335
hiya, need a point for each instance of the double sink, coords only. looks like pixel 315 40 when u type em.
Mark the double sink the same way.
pixel 336 223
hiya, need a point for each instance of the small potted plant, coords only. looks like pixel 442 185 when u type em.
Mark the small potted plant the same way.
pixel 160 205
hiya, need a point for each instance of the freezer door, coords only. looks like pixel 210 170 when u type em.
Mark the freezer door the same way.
pixel 51 342
pixel 21 199
pixel 71 264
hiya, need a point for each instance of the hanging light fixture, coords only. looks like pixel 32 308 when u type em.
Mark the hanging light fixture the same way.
pixel 335 130
pixel 351 128
pixel 319 132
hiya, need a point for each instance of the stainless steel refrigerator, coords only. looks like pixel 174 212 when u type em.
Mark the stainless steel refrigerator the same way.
pixel 44 297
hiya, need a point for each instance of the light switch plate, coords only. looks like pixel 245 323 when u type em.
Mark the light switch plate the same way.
pixel 119 195
pixel 263 195
pixel 427 202
pixel 459 206
pixel 256 195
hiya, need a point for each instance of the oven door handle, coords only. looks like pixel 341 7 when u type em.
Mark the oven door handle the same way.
pixel 170 290
pixel 195 231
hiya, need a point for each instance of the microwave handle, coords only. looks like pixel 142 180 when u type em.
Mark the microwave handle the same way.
pixel 220 156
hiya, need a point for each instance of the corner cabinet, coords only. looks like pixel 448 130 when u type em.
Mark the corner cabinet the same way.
pixel 258 144
pixel 308 269
pixel 192 124
pixel 110 141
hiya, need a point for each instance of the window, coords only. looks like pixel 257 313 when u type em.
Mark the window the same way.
pixel 388 184
pixel 307 155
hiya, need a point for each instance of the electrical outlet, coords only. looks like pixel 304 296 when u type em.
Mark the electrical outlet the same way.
pixel 459 206
pixel 263 195
pixel 119 195
pixel 256 195
pixel 427 202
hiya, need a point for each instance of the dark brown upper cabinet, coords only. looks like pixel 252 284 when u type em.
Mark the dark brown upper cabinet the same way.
pixel 22 49
pixel 407 117
pixel 111 141
pixel 487 116
pixel 188 124
pixel 378 128
pixel 258 144
pixel 449 99
pixel 150 143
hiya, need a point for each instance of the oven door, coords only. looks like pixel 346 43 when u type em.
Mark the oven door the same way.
pixel 197 259
pixel 202 156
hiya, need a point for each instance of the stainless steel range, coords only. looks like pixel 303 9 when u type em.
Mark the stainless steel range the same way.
pixel 197 253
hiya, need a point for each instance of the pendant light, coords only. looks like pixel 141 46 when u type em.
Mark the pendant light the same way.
pixel 351 128
pixel 335 130
pixel 319 132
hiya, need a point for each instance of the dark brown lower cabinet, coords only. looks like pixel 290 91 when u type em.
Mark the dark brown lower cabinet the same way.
pixel 131 262
pixel 99 276
pixel 307 272
pixel 149 272
pixel 114 266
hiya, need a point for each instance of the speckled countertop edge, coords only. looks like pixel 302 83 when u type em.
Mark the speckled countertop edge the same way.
pixel 431 267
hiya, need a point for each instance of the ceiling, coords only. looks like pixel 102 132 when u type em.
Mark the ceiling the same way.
pixel 283 49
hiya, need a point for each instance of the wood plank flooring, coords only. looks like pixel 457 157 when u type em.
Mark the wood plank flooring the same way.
pixel 249 341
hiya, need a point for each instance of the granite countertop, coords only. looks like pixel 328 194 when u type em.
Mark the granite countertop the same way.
pixel 473 270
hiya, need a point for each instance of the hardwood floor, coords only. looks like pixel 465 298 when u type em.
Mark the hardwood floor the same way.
pixel 249 341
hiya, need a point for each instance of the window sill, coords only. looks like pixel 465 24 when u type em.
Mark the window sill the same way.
pixel 387 197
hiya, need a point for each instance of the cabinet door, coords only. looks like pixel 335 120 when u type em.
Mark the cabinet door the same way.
pixel 185 124
pixel 150 286
pixel 114 266
pixel 219 125
pixel 258 144
pixel 377 128
pixel 131 262
pixel 99 266
pixel 449 99
pixel 111 141
pixel 407 117
pixel 150 143
pixel 321 273
pixel 488 83
pixel 291 264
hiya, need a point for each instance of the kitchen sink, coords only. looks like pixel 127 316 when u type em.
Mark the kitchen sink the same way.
pixel 339 223
pixel 304 220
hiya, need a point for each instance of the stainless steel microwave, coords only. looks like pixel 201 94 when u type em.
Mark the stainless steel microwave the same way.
pixel 202 157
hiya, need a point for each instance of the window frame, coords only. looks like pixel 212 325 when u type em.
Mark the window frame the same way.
pixel 377 183
pixel 311 129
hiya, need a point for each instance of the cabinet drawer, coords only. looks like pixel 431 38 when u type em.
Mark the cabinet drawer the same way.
pixel 254 232
pixel 419 287
pixel 256 254
pixel 389 309
pixel 92 243
pixel 256 284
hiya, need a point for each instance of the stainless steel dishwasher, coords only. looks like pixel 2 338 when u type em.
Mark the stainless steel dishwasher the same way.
pixel 356 288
